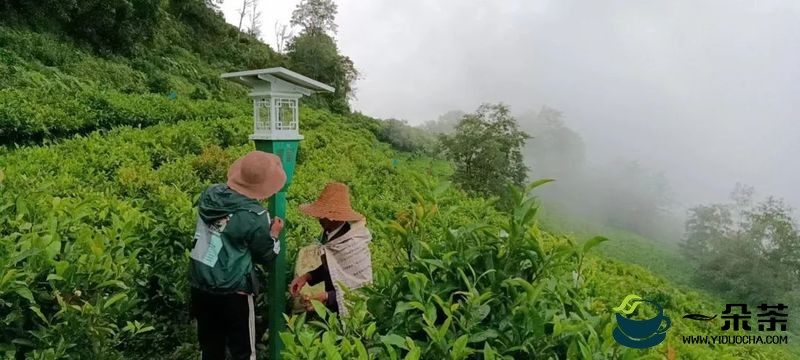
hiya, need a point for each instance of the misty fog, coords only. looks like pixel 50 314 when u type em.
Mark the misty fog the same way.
pixel 705 92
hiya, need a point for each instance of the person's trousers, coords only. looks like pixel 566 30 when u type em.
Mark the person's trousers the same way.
pixel 224 320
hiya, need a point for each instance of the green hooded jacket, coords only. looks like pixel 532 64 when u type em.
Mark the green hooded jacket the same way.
pixel 232 232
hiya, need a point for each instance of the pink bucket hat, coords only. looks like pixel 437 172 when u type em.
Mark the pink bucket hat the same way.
pixel 257 175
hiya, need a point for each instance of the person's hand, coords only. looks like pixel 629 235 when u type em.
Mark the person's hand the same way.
pixel 298 283
pixel 277 226
pixel 321 297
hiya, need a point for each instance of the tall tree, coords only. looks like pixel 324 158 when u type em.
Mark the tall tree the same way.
pixel 283 34
pixel 745 250
pixel 315 16
pixel 255 20
pixel 707 228
pixel 487 151
pixel 243 11
pixel 406 138
pixel 621 193
pixel 445 124
pixel 554 150
pixel 316 55
pixel 213 4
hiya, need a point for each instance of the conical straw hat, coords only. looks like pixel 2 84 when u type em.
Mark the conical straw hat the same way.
pixel 333 204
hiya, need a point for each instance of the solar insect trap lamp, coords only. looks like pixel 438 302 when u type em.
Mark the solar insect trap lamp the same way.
pixel 276 129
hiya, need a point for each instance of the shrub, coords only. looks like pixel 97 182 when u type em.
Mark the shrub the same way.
pixel 115 25
pixel 406 138
pixel 32 116
pixel 479 288
pixel 159 83
pixel 153 174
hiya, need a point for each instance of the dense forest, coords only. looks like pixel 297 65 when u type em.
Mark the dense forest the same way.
pixel 113 118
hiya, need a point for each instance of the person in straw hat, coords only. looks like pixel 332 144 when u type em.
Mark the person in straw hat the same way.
pixel 346 259
pixel 233 231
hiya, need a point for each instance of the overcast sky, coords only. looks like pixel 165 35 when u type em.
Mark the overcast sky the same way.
pixel 706 91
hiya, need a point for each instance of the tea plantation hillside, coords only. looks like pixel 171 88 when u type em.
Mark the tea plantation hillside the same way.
pixel 101 164
pixel 95 241
pixel 95 246
pixel 53 86
pixel 656 255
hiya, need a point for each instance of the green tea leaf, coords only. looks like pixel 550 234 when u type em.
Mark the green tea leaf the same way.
pixel 597 240
pixel 413 354
pixel 459 349
pixel 370 331
pixel 484 335
pixel 54 277
pixel 537 183
pixel 26 294
pixel 481 312
pixel 35 310
pixel 114 283
pixel 394 340
pixel 114 299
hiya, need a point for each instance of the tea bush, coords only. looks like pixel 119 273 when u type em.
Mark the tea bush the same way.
pixel 33 116
pixel 51 88
pixel 154 173
pixel 500 288
pixel 95 233
pixel 481 290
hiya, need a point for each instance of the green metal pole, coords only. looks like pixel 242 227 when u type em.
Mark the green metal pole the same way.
pixel 287 151
pixel 277 282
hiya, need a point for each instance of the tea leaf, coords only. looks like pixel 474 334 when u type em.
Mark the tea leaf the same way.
pixel 394 340
pixel 114 299
pixel 597 240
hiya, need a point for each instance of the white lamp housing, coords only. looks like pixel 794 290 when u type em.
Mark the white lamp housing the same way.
pixel 276 93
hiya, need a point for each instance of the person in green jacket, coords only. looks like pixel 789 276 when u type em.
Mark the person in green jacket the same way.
pixel 233 232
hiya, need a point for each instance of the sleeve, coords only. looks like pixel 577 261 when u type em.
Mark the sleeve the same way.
pixel 263 248
pixel 317 275
pixel 331 303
